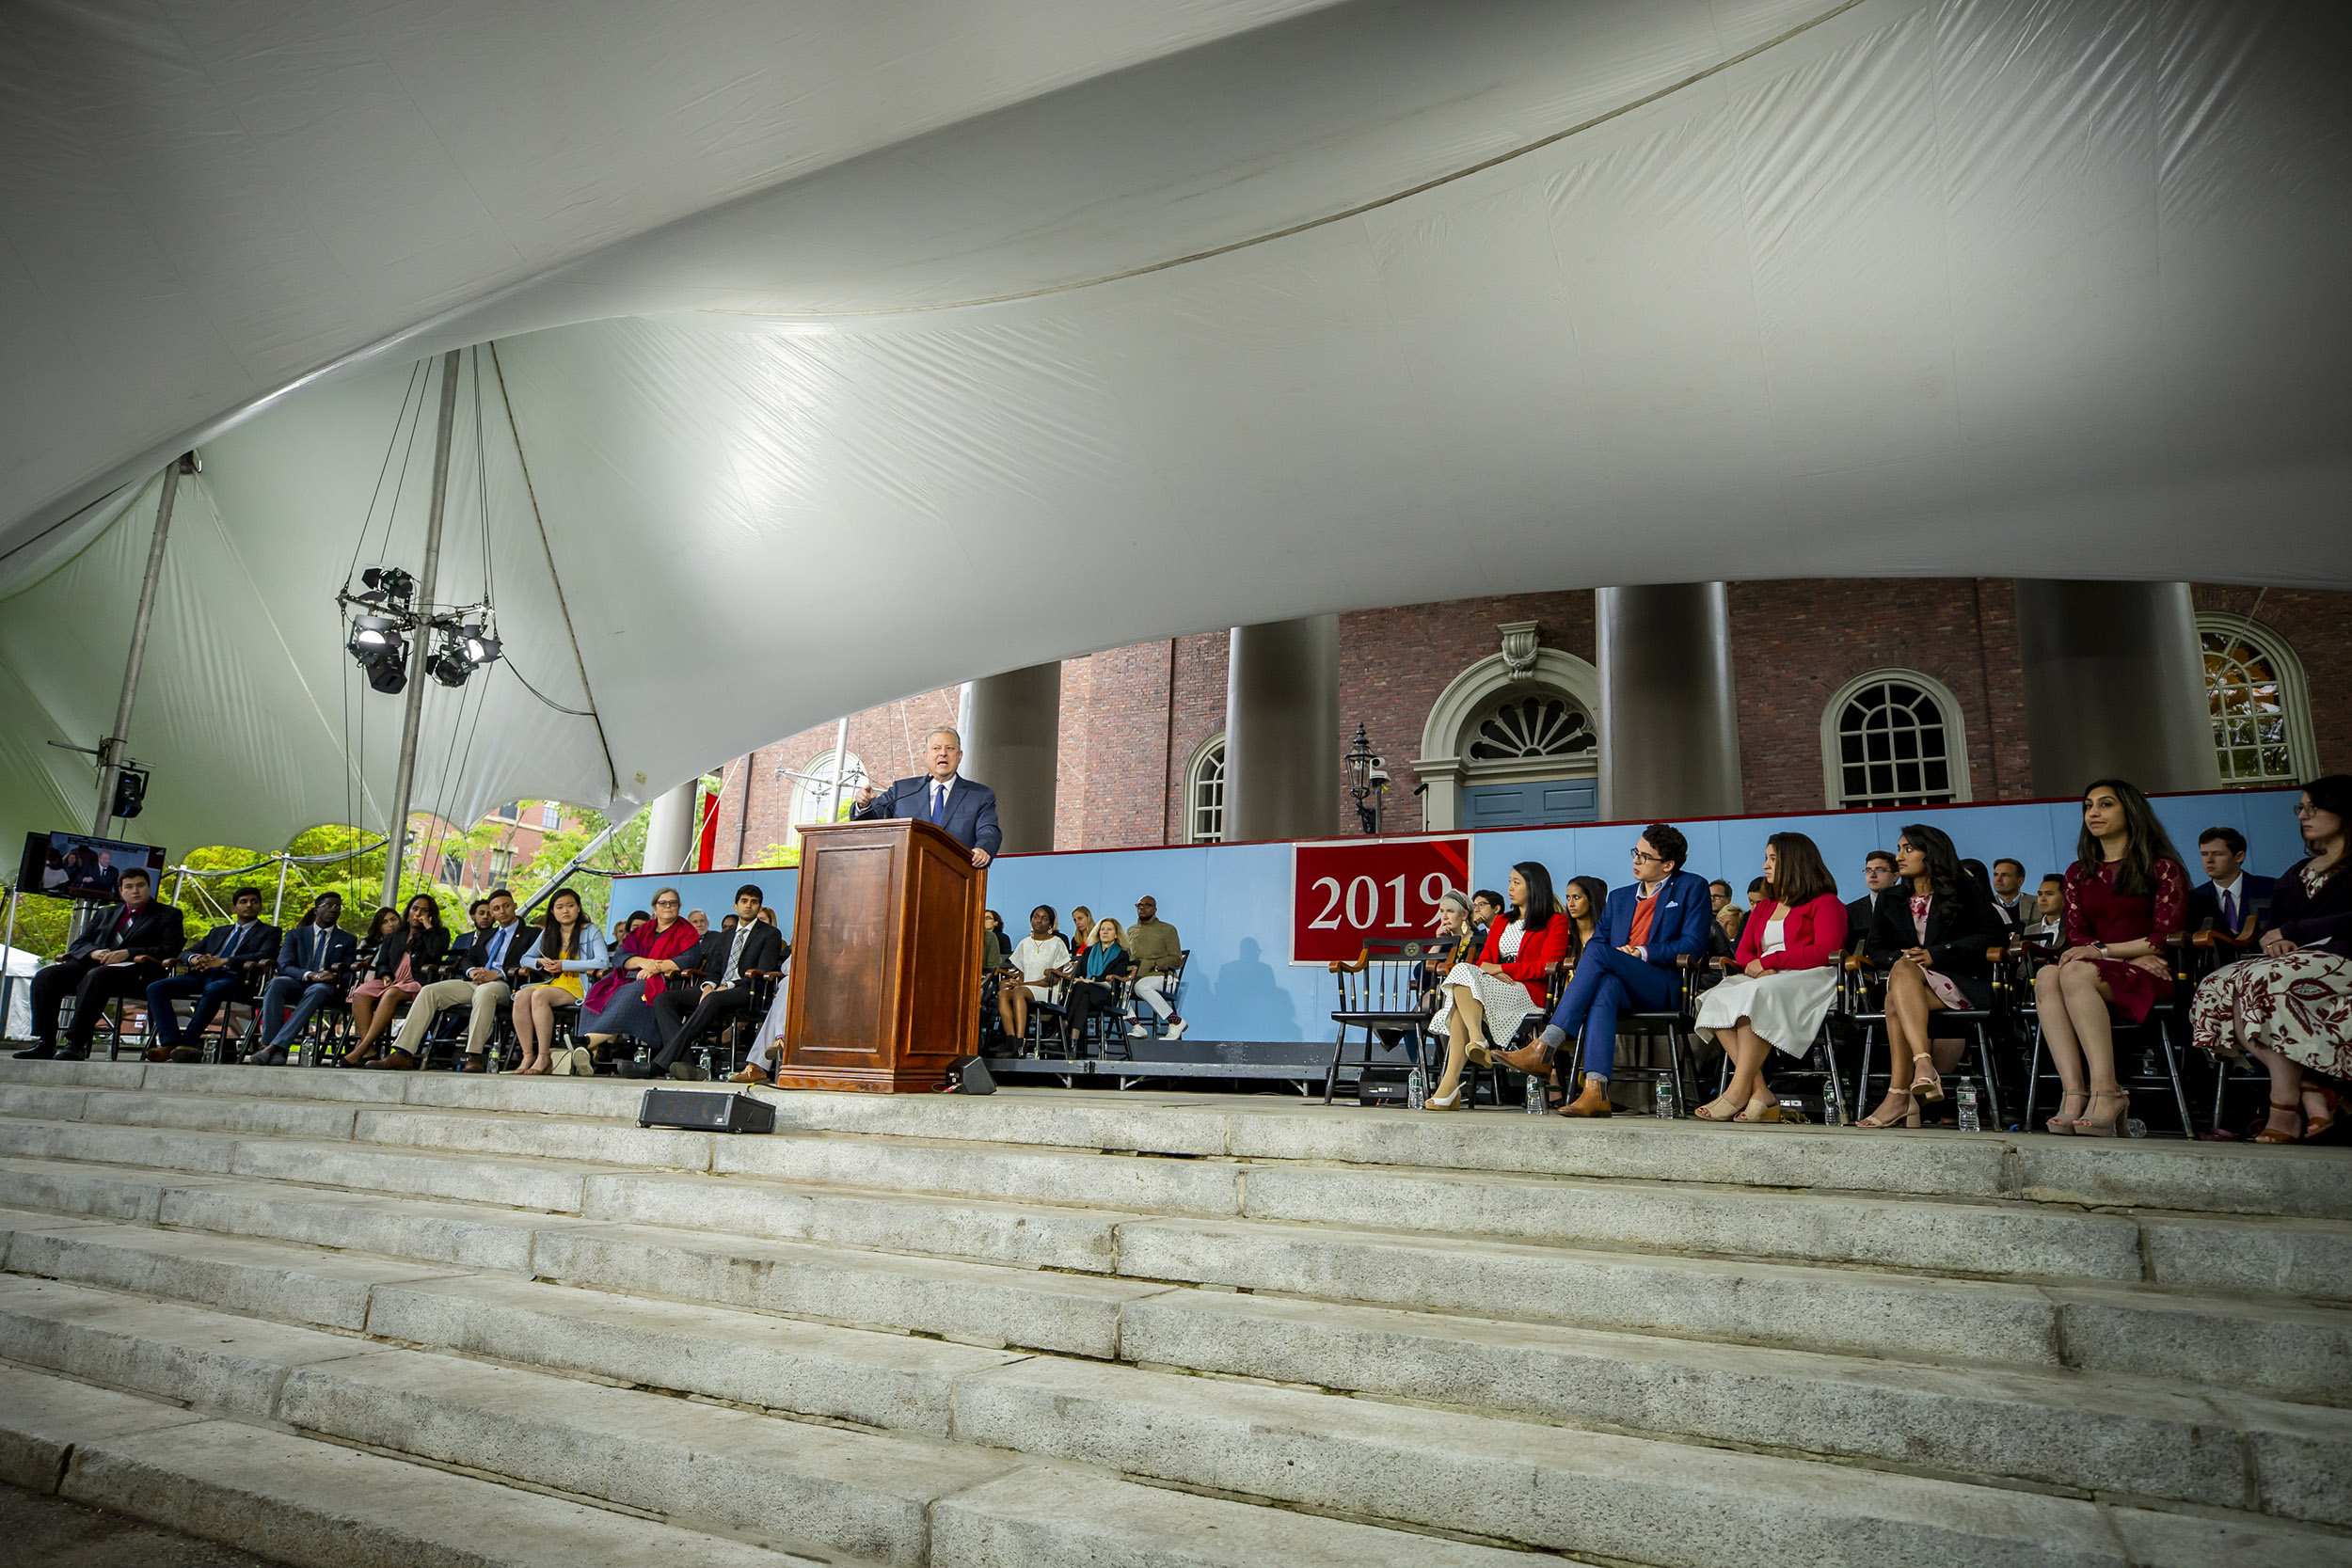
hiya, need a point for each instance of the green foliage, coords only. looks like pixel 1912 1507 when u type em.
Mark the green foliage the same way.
pixel 775 856
pixel 42 923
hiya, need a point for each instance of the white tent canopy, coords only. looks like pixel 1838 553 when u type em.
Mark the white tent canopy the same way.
pixel 1383 303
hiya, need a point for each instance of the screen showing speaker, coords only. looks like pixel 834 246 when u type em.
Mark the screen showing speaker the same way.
pixel 75 865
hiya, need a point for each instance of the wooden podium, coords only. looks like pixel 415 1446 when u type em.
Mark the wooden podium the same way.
pixel 885 958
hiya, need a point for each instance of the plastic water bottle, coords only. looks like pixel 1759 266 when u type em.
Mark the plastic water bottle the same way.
pixel 644 1055
pixel 309 1056
pixel 1416 1090
pixel 1666 1107
pixel 1968 1120
pixel 210 1050
pixel 498 1057
pixel 1535 1106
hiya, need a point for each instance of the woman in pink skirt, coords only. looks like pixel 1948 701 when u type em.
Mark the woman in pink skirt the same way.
pixel 397 951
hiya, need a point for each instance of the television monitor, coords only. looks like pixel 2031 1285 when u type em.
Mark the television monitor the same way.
pixel 75 865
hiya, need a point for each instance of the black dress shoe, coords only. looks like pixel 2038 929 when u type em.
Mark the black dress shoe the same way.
pixel 688 1073
pixel 633 1068
pixel 46 1050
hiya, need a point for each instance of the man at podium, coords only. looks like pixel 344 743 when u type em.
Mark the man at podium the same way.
pixel 965 810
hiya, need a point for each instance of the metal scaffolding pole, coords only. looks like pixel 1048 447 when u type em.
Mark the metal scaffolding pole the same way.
pixel 111 749
pixel 396 832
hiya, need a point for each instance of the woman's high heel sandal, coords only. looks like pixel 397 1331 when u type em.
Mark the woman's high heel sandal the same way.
pixel 2065 1119
pixel 1445 1101
pixel 1897 1108
pixel 2105 1127
pixel 1724 1109
pixel 1924 1085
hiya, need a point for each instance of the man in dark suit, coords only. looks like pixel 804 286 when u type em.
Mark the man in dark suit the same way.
pixel 121 950
pixel 220 970
pixel 966 810
pixel 725 962
pixel 1877 875
pixel 311 964
pixel 1632 964
pixel 2228 896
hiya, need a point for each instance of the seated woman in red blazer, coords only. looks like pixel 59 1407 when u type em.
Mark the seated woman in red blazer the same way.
pixel 1785 977
pixel 1491 997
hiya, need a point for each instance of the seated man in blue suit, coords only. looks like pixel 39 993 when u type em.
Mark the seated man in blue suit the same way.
pixel 2227 896
pixel 1631 963
pixel 310 975
pixel 966 810
pixel 220 971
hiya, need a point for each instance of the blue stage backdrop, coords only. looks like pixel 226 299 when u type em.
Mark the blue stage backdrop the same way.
pixel 1230 903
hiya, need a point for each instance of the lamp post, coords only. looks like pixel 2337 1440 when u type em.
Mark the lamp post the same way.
pixel 1367 782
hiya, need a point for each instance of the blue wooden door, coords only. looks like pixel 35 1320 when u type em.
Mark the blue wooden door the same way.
pixel 1530 805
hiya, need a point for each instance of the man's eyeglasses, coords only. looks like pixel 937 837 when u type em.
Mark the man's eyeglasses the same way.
pixel 1642 856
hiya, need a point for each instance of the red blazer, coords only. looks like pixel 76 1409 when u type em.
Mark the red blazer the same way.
pixel 1815 935
pixel 1538 952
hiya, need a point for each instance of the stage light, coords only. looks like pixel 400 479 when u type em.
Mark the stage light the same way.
pixel 381 651
pixel 479 646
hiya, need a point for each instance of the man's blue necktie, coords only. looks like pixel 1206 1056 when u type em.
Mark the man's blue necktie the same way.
pixel 939 802
pixel 2229 911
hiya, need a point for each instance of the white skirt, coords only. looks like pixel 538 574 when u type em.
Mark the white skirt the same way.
pixel 1504 999
pixel 1784 1006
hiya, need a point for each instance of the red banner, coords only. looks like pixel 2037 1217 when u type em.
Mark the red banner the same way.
pixel 1354 891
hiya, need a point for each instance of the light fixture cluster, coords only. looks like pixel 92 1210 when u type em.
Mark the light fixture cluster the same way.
pixel 385 620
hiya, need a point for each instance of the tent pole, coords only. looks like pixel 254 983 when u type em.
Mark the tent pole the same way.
pixel 111 749
pixel 555 884
pixel 840 759
pixel 396 833
pixel 278 911
pixel 8 979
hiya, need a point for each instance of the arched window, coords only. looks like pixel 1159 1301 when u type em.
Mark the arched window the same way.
pixel 2261 711
pixel 1894 738
pixel 813 800
pixel 1528 726
pixel 1204 793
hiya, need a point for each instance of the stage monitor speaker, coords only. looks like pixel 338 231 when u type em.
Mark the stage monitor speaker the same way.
pixel 969 1076
pixel 702 1110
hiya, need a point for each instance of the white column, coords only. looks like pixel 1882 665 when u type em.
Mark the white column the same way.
pixel 670 831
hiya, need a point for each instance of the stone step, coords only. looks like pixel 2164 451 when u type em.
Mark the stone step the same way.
pixel 2158 1439
pixel 773 1482
pixel 2154 1173
pixel 311 1503
pixel 1947 1237
pixel 715 1468
pixel 2286 1350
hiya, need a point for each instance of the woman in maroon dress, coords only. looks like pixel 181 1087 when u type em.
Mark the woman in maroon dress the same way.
pixel 2126 895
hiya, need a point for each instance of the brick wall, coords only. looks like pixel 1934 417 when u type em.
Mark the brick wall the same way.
pixel 1795 642
pixel 1133 717
pixel 1393 664
pixel 1111 782
pixel 1195 711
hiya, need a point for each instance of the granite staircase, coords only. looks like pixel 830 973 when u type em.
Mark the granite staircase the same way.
pixel 349 1316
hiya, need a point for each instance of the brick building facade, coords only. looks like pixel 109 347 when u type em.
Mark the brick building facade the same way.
pixel 1134 719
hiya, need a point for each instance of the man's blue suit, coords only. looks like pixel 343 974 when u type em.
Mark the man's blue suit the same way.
pixel 2204 902
pixel 970 818
pixel 1608 982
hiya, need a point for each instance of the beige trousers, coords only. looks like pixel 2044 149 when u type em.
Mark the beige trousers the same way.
pixel 448 994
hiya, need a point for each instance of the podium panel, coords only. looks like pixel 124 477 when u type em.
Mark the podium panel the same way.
pixel 885 958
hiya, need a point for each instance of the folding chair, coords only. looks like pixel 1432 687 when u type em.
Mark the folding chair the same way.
pixel 1867 987
pixel 2159 1056
pixel 1379 992
pixel 1143 1017
pixel 1674 1026
pixel 1819 1061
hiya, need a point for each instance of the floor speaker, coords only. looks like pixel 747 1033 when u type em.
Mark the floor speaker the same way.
pixel 969 1076
pixel 702 1110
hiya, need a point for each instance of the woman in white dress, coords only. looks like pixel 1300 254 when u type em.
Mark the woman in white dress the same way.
pixel 1487 1000
pixel 1786 976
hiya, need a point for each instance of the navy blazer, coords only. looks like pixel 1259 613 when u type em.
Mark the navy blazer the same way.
pixel 262 939
pixel 2205 903
pixel 971 819
pixel 308 948
pixel 1678 931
